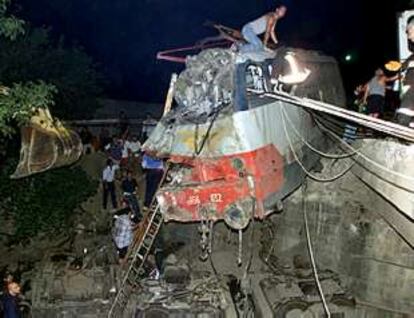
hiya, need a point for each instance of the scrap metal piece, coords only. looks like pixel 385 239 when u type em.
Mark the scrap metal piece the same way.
pixel 205 85
pixel 170 94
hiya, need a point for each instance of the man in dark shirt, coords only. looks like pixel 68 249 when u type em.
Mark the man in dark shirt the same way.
pixel 405 114
pixel 123 123
pixel 86 138
pixel 114 150
pixel 129 186
pixel 154 171
pixel 104 138
pixel 9 301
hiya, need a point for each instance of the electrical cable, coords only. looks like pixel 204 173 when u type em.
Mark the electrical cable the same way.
pixel 382 167
pixel 311 256
pixel 369 160
pixel 197 150
pixel 323 154
pixel 389 128
pixel 308 173
pixel 339 126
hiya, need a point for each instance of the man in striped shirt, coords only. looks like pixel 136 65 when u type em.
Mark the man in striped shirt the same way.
pixel 122 232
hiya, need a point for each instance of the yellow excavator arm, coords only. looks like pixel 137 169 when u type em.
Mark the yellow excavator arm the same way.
pixel 46 144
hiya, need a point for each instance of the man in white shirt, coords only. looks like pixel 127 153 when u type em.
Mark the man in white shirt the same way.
pixel 134 146
pixel 125 153
pixel 130 152
pixel 108 181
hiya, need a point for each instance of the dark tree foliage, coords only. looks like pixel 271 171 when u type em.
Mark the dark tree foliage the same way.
pixel 43 203
pixel 17 100
pixel 35 57
pixel 10 26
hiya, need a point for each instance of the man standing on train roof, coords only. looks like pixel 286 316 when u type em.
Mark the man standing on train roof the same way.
pixel 264 24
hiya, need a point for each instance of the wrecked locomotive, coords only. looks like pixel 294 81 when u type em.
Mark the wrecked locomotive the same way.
pixel 231 154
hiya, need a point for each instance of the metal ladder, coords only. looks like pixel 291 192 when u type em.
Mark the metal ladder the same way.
pixel 143 244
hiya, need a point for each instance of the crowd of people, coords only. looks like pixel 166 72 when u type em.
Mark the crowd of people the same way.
pixel 125 161
pixel 99 141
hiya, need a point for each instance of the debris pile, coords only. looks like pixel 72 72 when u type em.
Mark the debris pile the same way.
pixel 206 85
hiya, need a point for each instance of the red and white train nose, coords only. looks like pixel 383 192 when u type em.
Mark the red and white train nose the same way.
pixel 230 188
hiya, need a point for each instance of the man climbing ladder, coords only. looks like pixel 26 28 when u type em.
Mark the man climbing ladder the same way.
pixel 138 254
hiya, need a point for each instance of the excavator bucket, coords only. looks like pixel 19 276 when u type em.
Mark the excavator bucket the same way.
pixel 46 144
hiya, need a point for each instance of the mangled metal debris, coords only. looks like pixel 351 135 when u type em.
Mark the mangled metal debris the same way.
pixel 205 86
pixel 227 146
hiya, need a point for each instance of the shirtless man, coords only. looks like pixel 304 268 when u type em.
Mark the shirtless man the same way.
pixel 265 24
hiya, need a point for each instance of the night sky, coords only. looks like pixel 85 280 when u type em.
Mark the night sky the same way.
pixel 124 35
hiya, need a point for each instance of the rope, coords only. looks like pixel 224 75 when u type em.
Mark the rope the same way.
pixel 311 256
pixel 308 173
